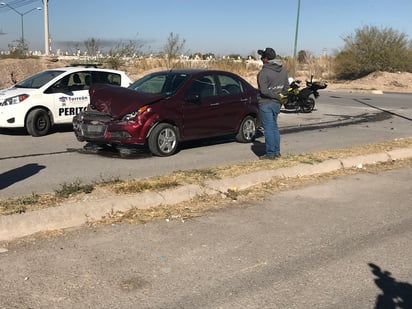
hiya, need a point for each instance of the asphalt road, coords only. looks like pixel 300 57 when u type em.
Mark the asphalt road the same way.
pixel 40 165
pixel 345 243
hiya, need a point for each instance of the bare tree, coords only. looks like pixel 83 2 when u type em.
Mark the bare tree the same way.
pixel 173 49
pixel 303 56
pixel 129 49
pixel 92 46
pixel 19 48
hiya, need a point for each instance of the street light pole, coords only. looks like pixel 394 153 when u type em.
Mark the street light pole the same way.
pixel 21 17
pixel 46 28
pixel 296 40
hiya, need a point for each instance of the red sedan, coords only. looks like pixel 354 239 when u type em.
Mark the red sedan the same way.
pixel 165 108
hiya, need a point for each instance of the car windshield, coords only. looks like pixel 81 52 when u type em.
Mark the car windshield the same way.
pixel 38 80
pixel 160 83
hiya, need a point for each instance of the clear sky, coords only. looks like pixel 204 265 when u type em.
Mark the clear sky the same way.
pixel 217 26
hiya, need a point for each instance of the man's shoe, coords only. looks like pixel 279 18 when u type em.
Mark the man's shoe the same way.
pixel 266 157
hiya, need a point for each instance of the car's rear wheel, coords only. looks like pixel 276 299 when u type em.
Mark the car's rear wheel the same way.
pixel 38 122
pixel 247 130
pixel 163 140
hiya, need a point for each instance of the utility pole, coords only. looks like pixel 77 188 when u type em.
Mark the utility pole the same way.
pixel 46 28
pixel 296 40
pixel 1 32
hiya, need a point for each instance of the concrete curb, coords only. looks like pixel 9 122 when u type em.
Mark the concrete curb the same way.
pixel 74 214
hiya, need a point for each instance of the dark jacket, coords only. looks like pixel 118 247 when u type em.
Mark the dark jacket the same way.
pixel 272 80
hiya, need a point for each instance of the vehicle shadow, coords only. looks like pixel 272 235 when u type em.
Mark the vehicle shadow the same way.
pixel 295 111
pixel 140 152
pixel 395 294
pixel 15 132
pixel 18 174
pixel 136 152
pixel 61 128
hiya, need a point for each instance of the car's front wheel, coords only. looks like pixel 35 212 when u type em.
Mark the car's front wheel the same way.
pixel 247 130
pixel 163 140
pixel 38 122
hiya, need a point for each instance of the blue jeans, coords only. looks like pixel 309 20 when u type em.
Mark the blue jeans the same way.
pixel 269 116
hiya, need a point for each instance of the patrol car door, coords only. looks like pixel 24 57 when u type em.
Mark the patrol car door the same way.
pixel 70 96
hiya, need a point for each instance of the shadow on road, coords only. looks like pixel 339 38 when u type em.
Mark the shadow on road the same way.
pixel 18 174
pixel 341 121
pixel 394 294
pixel 383 110
pixel 57 128
pixel 258 148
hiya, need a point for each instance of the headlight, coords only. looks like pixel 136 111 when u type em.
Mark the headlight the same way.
pixel 14 100
pixel 135 114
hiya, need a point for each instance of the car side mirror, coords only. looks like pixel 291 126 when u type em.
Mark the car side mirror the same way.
pixel 193 98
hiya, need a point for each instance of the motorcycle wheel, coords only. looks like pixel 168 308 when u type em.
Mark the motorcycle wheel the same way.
pixel 308 105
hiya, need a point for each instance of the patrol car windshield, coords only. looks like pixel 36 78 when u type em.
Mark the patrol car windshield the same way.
pixel 38 80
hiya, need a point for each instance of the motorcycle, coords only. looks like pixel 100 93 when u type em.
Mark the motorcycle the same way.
pixel 302 100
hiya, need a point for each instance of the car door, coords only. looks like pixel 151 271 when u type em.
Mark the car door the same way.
pixel 232 102
pixel 200 108
pixel 70 96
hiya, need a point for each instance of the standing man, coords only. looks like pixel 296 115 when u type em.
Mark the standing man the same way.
pixel 272 80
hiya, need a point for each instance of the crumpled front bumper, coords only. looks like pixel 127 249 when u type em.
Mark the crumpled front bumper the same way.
pixel 98 127
pixel 91 125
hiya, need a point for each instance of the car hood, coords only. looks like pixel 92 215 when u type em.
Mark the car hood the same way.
pixel 118 101
pixel 13 91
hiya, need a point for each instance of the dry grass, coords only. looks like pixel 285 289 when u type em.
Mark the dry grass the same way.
pixel 320 67
pixel 79 192
pixel 311 158
pixel 202 205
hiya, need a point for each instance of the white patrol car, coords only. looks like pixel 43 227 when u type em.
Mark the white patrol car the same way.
pixel 53 96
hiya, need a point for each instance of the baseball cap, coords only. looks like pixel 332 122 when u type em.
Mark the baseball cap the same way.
pixel 267 53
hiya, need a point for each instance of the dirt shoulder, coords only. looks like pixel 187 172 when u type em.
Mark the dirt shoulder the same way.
pixel 385 81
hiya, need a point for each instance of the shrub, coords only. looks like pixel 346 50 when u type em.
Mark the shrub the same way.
pixel 372 49
pixel 76 187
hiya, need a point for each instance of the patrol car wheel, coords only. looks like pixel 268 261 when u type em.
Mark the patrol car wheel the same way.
pixel 38 122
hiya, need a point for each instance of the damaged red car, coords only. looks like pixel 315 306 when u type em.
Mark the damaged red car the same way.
pixel 165 108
